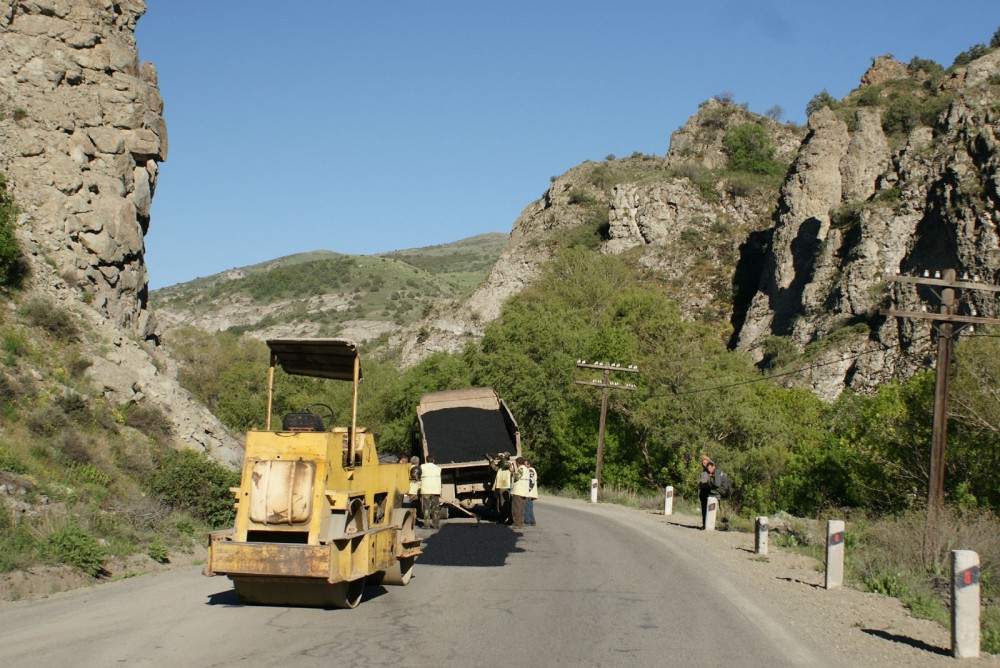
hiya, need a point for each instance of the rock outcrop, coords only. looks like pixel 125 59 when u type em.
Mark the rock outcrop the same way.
pixel 656 207
pixel 855 211
pixel 81 136
pixel 901 177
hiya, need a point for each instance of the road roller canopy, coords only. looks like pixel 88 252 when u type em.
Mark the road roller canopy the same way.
pixel 316 358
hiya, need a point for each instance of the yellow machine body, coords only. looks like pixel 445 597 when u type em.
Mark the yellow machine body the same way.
pixel 317 516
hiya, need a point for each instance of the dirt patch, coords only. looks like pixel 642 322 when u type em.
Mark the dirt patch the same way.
pixel 860 628
pixel 43 581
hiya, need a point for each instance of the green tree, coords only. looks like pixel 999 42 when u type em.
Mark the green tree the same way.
pixel 820 100
pixel 749 148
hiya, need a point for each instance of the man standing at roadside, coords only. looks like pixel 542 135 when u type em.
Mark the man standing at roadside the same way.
pixel 430 492
pixel 529 502
pixel 519 492
pixel 501 486
pixel 705 487
pixel 413 493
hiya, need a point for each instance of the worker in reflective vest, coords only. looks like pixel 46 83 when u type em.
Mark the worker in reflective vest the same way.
pixel 529 502
pixel 413 493
pixel 501 490
pixel 430 492
pixel 519 491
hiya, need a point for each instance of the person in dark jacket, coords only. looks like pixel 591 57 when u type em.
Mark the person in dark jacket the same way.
pixel 705 486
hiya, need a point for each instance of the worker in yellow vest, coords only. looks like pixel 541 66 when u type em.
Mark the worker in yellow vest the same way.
pixel 413 493
pixel 519 491
pixel 501 488
pixel 529 502
pixel 430 492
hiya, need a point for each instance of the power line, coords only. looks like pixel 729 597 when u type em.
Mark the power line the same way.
pixel 785 373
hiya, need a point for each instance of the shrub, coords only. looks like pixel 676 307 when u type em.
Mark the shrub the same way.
pixel 581 197
pixel 190 481
pixel 18 547
pixel 820 100
pixel 149 419
pixel 46 421
pixel 691 236
pixel 11 463
pixel 917 64
pixel 75 407
pixel 15 345
pixel 974 52
pixel 158 552
pixel 74 447
pixel 12 267
pixel 749 149
pixel 76 547
pixel 990 637
pixel 54 320
pixel 846 215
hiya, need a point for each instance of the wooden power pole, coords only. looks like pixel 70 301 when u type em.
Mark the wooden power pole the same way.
pixel 606 384
pixel 944 322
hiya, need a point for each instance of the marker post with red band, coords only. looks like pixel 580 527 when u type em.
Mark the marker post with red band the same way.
pixel 834 554
pixel 713 510
pixel 964 604
pixel 668 500
pixel 593 490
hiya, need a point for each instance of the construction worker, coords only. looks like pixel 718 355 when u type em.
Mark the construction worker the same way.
pixel 519 491
pixel 529 502
pixel 430 492
pixel 501 487
pixel 413 493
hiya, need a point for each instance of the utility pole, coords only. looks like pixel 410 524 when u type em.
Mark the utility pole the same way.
pixel 606 384
pixel 944 322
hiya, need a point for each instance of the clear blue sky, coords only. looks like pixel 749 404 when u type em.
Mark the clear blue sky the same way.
pixel 368 126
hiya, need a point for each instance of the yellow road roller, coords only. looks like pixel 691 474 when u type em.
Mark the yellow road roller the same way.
pixel 317 515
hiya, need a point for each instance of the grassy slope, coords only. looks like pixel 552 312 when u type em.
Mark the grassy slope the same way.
pixel 331 288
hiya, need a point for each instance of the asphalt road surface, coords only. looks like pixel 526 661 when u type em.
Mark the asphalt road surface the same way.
pixel 589 586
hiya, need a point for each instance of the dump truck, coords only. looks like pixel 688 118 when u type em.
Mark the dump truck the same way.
pixel 317 514
pixel 462 429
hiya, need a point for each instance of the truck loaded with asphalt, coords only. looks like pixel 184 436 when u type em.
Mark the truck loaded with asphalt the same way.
pixel 464 430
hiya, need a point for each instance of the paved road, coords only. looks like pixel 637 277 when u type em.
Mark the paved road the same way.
pixel 589 586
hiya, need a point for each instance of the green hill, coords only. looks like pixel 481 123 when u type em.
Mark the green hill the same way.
pixel 321 292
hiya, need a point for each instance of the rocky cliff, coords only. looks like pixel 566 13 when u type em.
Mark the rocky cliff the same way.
pixel 900 176
pixel 683 216
pixel 81 136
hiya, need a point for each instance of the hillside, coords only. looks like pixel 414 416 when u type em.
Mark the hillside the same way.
pixel 322 293
pixel 780 237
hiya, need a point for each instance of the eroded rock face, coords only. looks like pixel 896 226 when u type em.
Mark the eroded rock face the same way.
pixel 854 208
pixel 930 205
pixel 690 238
pixel 81 134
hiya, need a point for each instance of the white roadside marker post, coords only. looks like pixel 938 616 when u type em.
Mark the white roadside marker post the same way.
pixel 964 604
pixel 713 508
pixel 760 538
pixel 834 554
pixel 593 490
pixel 668 500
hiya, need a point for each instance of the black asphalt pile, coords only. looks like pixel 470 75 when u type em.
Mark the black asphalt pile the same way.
pixel 469 545
pixel 464 434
